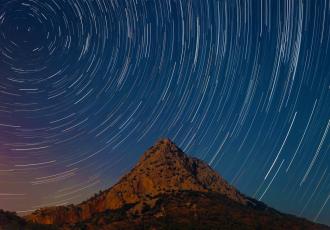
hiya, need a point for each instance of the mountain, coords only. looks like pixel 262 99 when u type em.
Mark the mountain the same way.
pixel 169 190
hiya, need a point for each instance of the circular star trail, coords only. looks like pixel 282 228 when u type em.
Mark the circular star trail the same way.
pixel 87 86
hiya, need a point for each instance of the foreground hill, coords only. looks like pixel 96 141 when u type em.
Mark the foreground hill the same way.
pixel 169 190
pixel 10 221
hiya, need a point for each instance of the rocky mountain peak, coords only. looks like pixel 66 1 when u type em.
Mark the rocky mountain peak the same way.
pixel 162 151
pixel 165 168
pixel 162 170
pixel 165 187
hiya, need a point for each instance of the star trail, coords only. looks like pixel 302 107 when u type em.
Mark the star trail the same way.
pixel 87 85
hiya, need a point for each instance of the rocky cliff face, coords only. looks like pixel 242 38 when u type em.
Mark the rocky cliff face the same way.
pixel 162 169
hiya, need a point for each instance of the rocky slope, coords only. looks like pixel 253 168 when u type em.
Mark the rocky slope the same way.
pixel 194 210
pixel 169 190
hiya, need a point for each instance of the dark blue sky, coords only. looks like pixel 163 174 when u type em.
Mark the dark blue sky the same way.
pixel 87 86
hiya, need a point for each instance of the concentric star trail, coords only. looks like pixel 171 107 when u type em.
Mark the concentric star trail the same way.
pixel 87 86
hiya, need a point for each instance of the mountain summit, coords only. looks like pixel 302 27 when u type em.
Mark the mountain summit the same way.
pixel 163 169
pixel 168 189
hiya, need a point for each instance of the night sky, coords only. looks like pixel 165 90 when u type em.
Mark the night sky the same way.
pixel 87 85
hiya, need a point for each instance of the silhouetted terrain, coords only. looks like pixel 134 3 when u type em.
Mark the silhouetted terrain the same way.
pixel 166 190
pixel 10 221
